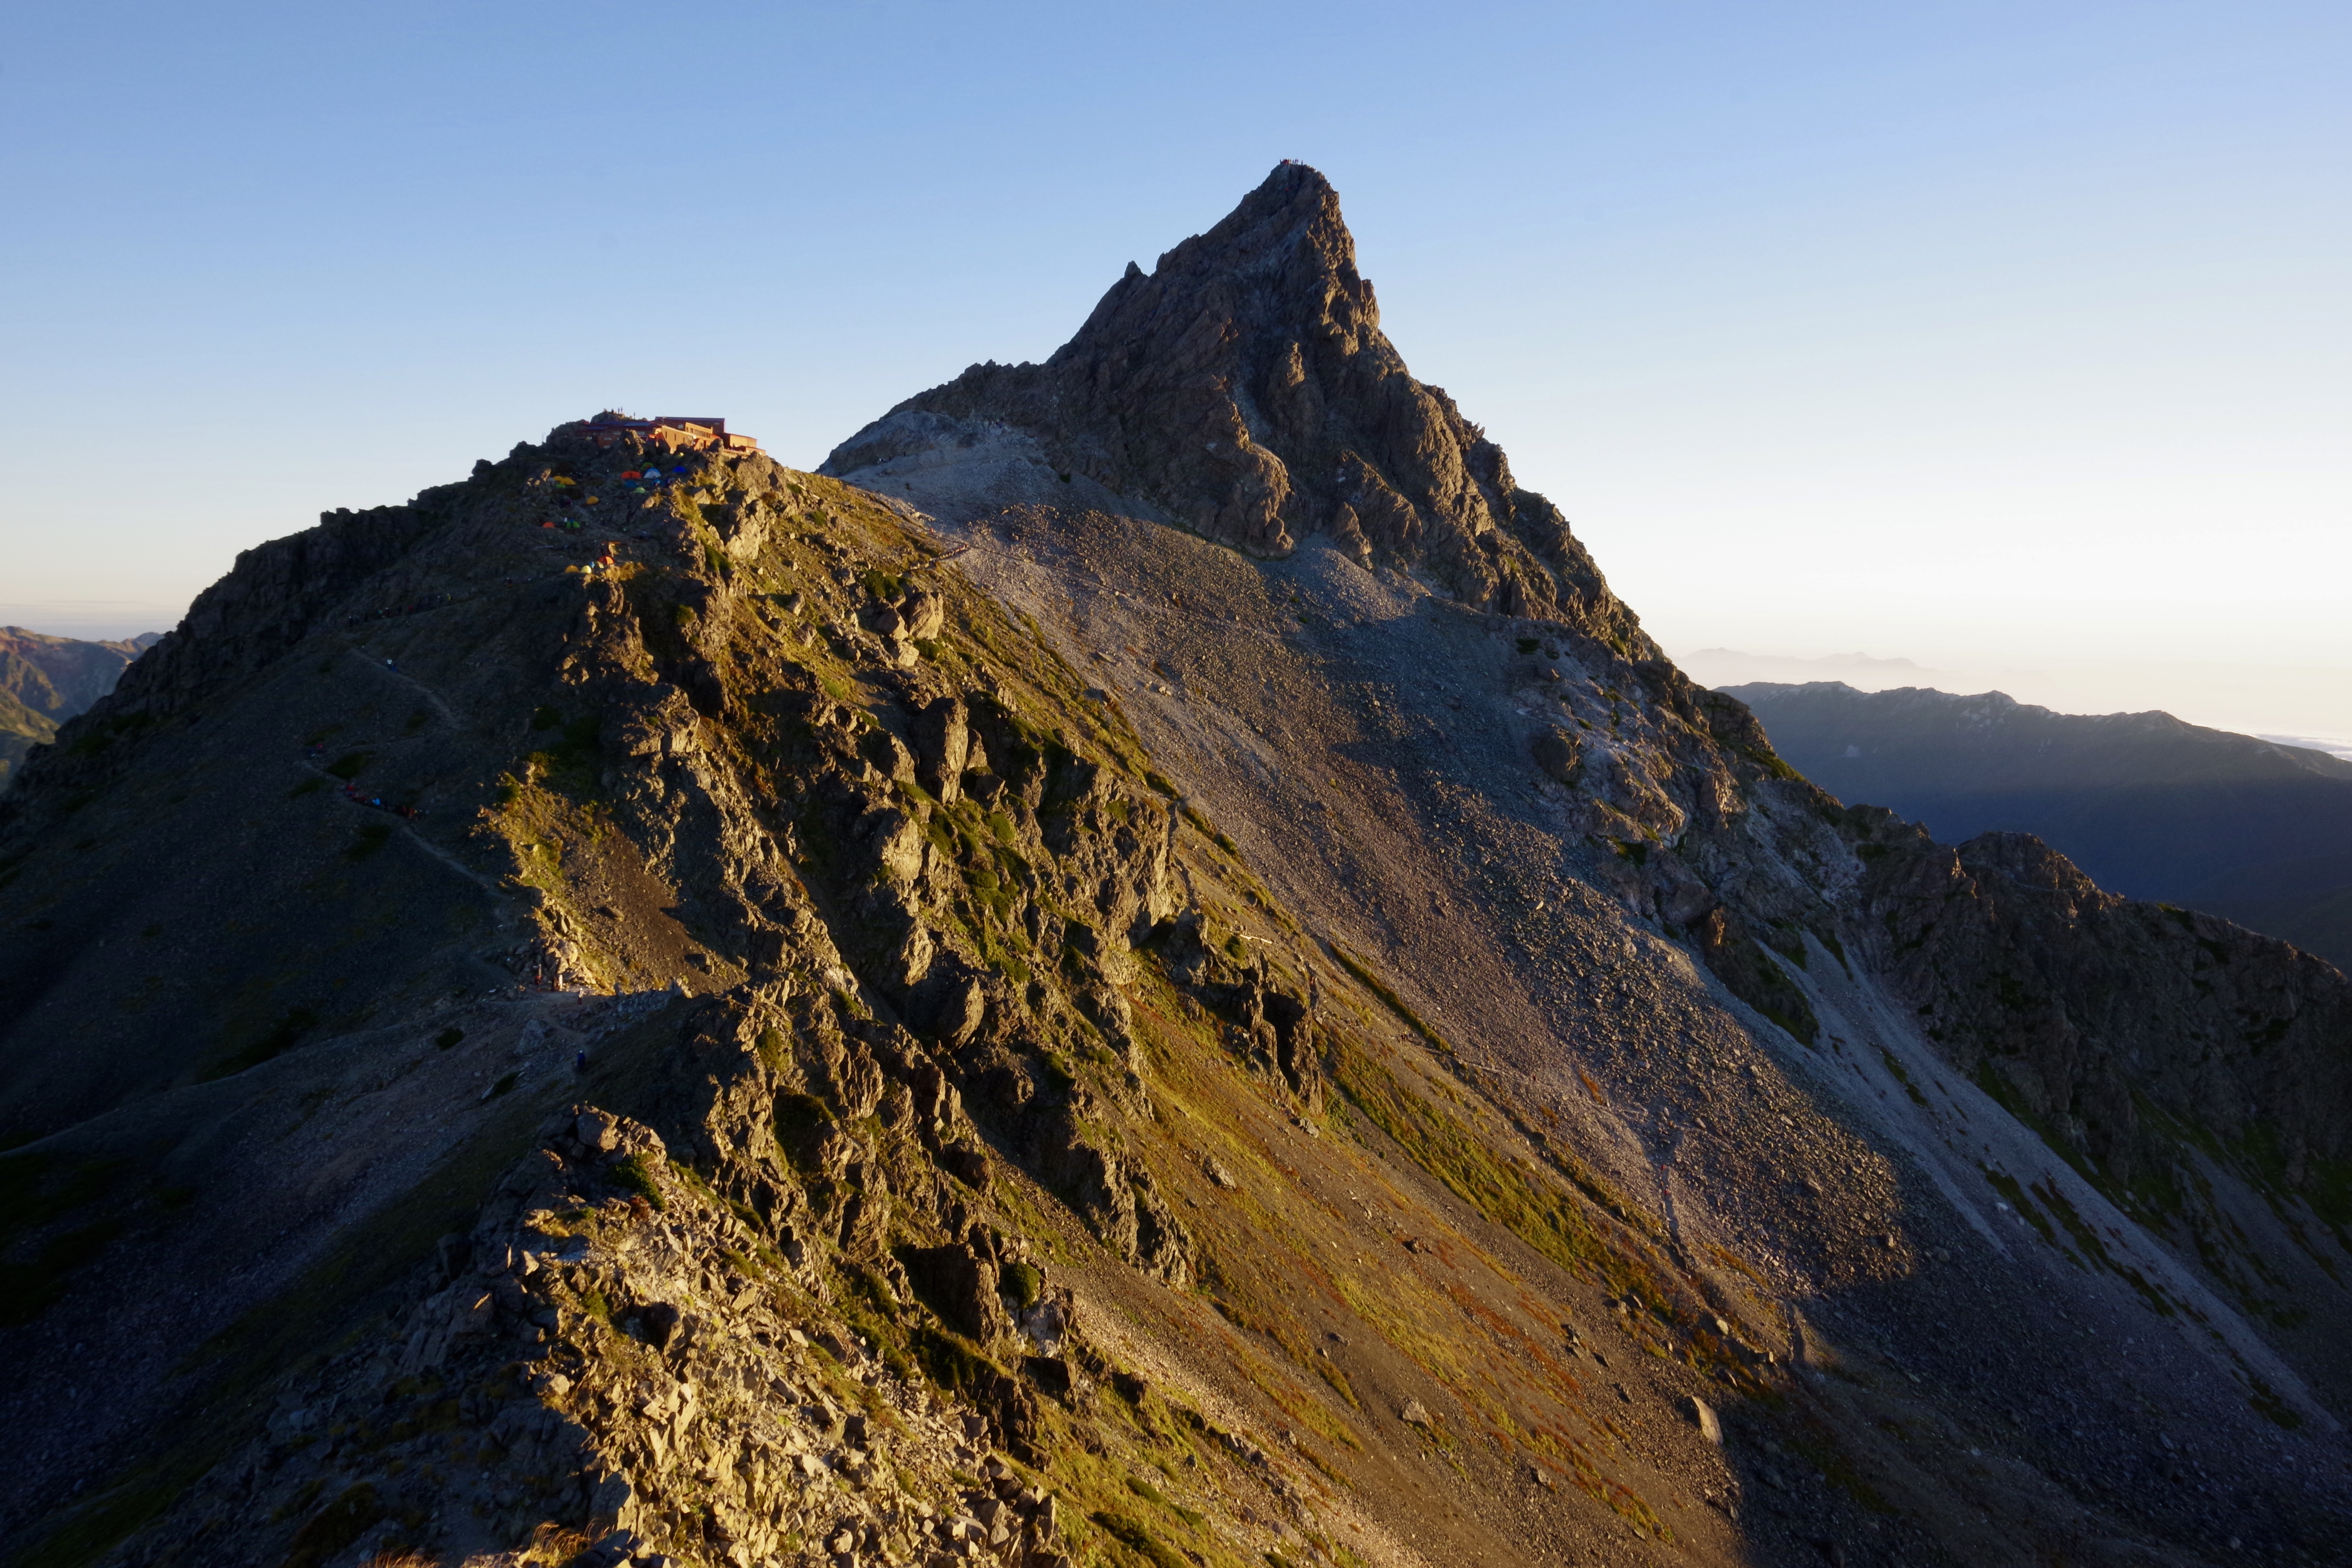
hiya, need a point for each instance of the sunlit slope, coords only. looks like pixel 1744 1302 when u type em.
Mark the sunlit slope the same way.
pixel 922 1003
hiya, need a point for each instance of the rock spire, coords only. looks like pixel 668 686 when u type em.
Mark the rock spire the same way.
pixel 1242 389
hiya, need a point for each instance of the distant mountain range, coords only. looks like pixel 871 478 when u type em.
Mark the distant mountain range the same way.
pixel 1724 667
pixel 45 680
pixel 2150 807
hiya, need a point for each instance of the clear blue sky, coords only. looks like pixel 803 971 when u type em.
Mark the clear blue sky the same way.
pixel 1963 333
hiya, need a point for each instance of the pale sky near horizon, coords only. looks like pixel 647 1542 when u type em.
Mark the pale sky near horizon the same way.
pixel 2011 339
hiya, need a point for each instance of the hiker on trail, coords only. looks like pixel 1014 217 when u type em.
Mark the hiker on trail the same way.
pixel 580 1062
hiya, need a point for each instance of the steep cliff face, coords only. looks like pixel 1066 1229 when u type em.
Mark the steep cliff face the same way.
pixel 1244 389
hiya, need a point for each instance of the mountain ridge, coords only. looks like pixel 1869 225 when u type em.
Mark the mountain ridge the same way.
pixel 1990 707
pixel 730 1015
pixel 2252 829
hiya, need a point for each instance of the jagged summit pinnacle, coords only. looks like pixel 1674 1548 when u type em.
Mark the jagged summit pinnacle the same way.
pixel 1286 238
pixel 1242 389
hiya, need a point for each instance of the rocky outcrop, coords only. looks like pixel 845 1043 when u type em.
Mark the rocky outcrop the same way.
pixel 2113 1026
pixel 605 1332
pixel 1244 389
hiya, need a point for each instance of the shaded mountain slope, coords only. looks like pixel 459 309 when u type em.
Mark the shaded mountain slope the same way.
pixel 2318 922
pixel 2145 805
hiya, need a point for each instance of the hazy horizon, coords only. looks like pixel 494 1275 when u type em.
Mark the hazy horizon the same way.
pixel 2002 340
pixel 2293 705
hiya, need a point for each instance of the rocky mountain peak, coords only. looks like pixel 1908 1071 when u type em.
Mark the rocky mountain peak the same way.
pixel 1242 389
pixel 1282 264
